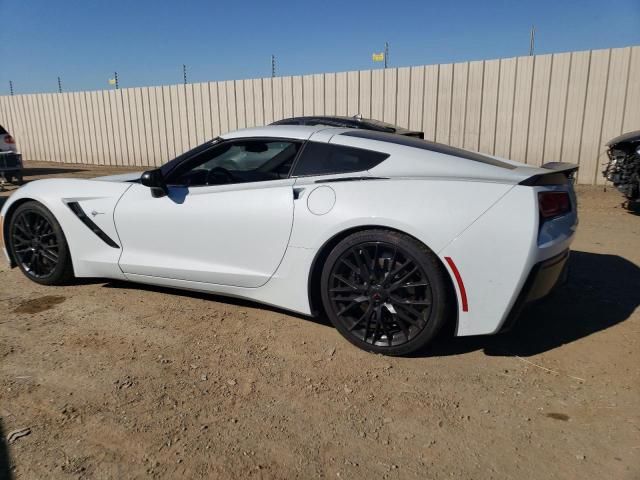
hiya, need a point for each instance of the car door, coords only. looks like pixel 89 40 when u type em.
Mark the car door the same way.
pixel 226 219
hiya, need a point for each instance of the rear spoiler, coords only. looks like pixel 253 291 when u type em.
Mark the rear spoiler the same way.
pixel 560 173
pixel 411 133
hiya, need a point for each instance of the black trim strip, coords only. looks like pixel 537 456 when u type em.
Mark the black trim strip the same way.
pixel 77 209
pixel 297 158
pixel 349 179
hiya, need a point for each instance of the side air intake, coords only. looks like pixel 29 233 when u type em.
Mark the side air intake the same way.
pixel 77 209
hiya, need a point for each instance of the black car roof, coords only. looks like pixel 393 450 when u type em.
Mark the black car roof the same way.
pixel 350 122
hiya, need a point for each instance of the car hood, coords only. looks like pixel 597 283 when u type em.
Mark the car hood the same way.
pixel 122 177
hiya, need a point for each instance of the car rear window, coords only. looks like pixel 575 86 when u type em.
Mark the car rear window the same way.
pixel 431 146
pixel 2 130
pixel 325 159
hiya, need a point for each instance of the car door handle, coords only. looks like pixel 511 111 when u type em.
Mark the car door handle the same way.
pixel 297 192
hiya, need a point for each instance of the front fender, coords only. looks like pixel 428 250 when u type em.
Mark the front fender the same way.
pixel 90 255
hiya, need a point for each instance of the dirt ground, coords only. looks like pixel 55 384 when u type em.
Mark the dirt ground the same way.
pixel 115 380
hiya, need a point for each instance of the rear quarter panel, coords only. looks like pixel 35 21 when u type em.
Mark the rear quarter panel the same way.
pixel 490 231
pixel 433 211
pixel 494 255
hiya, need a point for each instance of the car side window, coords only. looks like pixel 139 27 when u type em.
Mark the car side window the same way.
pixel 326 159
pixel 237 161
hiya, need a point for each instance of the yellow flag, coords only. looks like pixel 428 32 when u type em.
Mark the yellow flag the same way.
pixel 112 81
pixel 378 57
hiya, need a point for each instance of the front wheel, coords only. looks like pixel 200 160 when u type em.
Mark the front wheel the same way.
pixel 385 292
pixel 38 245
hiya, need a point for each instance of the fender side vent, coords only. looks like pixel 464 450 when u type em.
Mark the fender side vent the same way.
pixel 77 209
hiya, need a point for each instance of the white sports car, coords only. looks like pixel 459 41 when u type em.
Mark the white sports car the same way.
pixel 390 237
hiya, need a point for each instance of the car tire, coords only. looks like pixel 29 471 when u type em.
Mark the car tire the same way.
pixel 37 244
pixel 385 292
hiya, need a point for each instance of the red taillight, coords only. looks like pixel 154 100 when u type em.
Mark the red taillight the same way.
pixel 553 204
pixel 9 139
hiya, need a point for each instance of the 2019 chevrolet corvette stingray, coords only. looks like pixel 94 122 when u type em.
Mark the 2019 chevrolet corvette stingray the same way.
pixel 389 236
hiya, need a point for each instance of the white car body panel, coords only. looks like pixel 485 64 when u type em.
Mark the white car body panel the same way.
pixel 495 267
pixel 122 177
pixel 435 203
pixel 287 288
pixel 228 219
pixel 258 241
pixel 90 255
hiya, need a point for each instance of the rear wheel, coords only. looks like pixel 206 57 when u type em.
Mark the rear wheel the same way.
pixel 38 246
pixel 385 292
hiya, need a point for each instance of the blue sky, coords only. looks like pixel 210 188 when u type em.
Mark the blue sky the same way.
pixel 148 41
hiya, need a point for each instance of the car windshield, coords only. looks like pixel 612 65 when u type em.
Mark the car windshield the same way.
pixel 2 130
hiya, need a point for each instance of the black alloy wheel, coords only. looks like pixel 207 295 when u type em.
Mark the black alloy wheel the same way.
pixel 37 244
pixel 384 291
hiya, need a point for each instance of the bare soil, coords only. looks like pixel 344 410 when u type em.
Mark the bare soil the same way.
pixel 116 380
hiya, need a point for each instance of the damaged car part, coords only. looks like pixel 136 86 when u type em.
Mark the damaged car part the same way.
pixel 623 168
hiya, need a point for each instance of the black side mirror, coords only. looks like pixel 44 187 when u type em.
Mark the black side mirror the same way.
pixel 155 181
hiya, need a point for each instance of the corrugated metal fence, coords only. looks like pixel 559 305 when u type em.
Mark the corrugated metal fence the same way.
pixel 560 107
